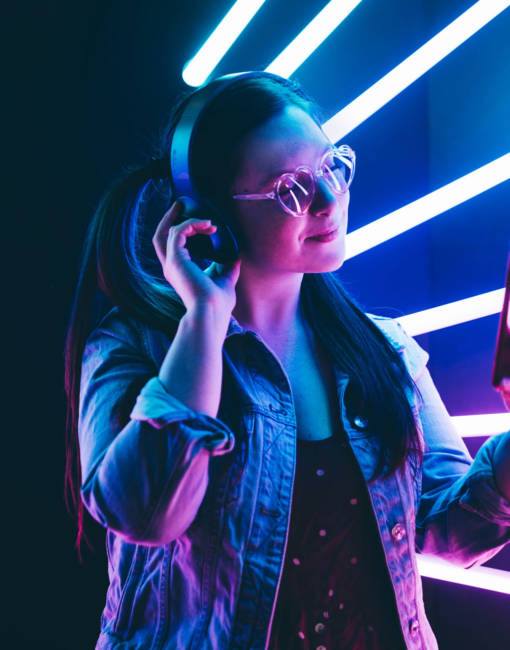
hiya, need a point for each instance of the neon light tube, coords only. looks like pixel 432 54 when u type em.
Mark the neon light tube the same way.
pixel 428 206
pixel 219 42
pixel 307 41
pixel 453 313
pixel 481 577
pixel 413 67
pixel 488 424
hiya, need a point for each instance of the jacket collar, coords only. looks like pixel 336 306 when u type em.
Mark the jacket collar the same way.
pixel 384 323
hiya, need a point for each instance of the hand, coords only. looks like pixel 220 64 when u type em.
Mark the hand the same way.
pixel 504 389
pixel 194 286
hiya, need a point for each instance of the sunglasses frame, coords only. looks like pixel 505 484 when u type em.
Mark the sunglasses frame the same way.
pixel 343 150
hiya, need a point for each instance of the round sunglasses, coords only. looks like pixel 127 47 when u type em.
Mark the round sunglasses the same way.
pixel 295 190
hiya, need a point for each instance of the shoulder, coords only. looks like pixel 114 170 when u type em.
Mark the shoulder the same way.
pixel 115 336
pixel 124 333
pixel 118 324
pixel 391 328
pixel 156 316
pixel 415 357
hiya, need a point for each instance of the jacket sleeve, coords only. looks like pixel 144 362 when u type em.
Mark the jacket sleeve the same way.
pixel 462 516
pixel 145 473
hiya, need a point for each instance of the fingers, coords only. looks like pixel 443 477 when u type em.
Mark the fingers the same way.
pixel 179 234
pixel 161 235
pixel 170 235
pixel 234 272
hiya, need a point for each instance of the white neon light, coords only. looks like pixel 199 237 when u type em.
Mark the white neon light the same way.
pixel 481 577
pixel 453 313
pixel 219 42
pixel 308 40
pixel 413 67
pixel 428 206
pixel 488 424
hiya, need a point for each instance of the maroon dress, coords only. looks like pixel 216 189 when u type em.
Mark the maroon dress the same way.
pixel 335 592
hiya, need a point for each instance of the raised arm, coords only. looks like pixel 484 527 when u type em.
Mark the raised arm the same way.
pixel 145 464
pixel 462 515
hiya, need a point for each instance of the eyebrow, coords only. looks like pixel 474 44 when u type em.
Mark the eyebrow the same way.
pixel 274 176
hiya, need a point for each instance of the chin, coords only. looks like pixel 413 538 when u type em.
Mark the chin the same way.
pixel 323 266
pixel 335 266
pixel 326 263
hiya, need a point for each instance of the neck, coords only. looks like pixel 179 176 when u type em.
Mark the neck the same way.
pixel 268 303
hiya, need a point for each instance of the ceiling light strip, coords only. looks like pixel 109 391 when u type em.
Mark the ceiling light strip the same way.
pixel 417 64
pixel 487 424
pixel 428 206
pixel 309 39
pixel 198 69
pixel 453 313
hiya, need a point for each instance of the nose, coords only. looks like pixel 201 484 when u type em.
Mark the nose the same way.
pixel 325 201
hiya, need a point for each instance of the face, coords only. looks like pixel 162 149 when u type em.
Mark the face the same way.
pixel 271 238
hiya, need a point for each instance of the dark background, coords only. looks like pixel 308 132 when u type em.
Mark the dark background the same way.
pixel 87 86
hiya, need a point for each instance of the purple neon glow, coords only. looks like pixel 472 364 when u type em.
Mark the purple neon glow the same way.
pixel 481 577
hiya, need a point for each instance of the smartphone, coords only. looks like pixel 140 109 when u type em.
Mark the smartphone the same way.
pixel 501 366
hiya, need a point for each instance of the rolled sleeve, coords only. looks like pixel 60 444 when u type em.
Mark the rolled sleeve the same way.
pixel 144 454
pixel 160 408
pixel 481 493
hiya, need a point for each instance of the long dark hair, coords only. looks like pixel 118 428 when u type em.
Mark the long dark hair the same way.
pixel 119 268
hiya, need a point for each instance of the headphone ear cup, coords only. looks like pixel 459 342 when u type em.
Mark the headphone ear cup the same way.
pixel 220 246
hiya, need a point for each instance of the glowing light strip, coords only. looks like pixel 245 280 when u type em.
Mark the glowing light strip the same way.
pixel 481 577
pixel 219 42
pixel 428 206
pixel 311 37
pixel 488 424
pixel 453 313
pixel 412 68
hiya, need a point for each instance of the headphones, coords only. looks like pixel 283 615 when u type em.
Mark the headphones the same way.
pixel 220 246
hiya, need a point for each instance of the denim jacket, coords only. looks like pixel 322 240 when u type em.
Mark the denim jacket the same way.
pixel 197 508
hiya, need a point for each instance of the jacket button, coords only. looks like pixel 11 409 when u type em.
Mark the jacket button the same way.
pixel 360 422
pixel 414 626
pixel 398 531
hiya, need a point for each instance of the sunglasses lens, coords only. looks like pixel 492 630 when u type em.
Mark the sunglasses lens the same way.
pixel 338 169
pixel 295 191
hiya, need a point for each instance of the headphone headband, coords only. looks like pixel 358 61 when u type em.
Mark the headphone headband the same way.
pixel 182 140
pixel 220 246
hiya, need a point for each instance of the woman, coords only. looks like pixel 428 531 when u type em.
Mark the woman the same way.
pixel 266 456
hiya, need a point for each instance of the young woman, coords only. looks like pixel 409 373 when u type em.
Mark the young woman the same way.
pixel 266 457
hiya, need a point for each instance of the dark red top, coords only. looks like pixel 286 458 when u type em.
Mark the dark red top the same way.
pixel 335 592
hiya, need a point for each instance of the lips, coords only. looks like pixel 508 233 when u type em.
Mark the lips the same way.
pixel 324 232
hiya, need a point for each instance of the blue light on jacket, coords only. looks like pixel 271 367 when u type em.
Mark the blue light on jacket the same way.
pixel 197 508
